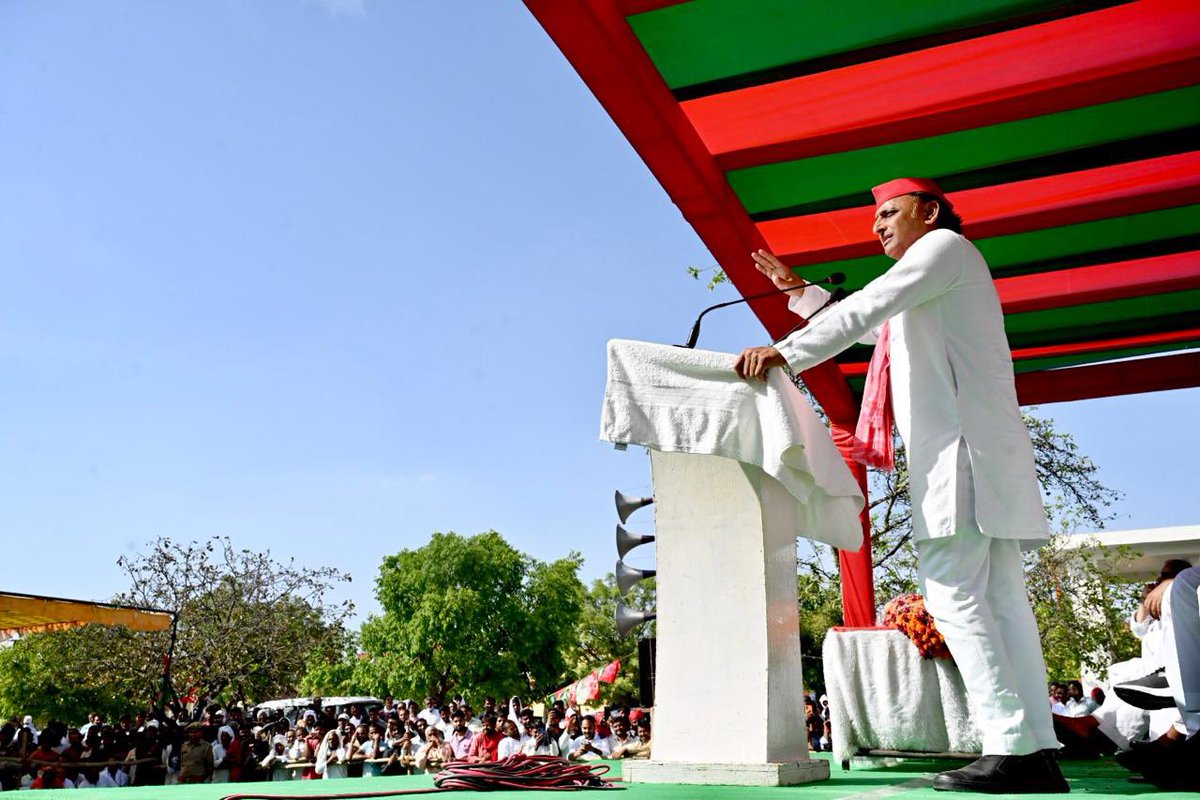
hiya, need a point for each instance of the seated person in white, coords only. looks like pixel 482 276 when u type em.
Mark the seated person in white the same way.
pixel 589 746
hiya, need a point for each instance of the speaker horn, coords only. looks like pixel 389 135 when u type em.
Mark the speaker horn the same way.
pixel 626 541
pixel 627 576
pixel 626 505
pixel 629 618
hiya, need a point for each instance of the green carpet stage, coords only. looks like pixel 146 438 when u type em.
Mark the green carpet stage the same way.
pixel 874 780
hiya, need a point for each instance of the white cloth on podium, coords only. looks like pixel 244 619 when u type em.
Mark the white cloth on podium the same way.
pixel 674 399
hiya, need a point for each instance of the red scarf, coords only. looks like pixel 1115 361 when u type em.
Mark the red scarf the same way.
pixel 873 434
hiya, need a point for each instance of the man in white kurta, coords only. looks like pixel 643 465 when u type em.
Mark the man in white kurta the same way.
pixel 975 495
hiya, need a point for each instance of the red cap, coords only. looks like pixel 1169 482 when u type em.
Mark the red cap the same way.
pixel 636 714
pixel 901 186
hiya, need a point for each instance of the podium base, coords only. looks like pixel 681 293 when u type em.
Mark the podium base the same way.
pixel 788 773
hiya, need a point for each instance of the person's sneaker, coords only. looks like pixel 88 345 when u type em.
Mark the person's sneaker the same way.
pixel 1033 773
pixel 1149 692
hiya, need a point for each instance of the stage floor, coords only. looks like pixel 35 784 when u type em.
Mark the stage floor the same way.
pixel 908 780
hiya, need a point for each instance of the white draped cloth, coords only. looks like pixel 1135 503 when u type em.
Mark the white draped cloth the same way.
pixel 673 399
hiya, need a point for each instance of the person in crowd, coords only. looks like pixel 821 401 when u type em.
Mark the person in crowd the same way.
pixel 431 714
pixel 227 756
pixel 639 748
pixel 1058 698
pixel 297 751
pixel 588 746
pixel 316 735
pixel 50 776
pixel 542 741
pixel 366 747
pixel 331 756
pixel 1078 704
pixel 813 724
pixel 461 738
pixel 276 761
pixel 434 754
pixel 44 753
pixel 474 722
pixel 621 734
pixel 392 731
pixel 74 750
pixel 147 767
pixel 485 743
pixel 512 743
pixel 556 726
pixel 196 761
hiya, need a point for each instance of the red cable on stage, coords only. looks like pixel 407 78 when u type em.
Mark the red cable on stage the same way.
pixel 514 772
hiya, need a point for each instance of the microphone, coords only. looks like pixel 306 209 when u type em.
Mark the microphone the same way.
pixel 836 279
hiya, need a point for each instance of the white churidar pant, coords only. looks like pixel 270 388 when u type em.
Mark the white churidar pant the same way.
pixel 974 586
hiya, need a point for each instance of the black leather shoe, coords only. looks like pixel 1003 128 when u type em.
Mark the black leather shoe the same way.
pixel 1036 772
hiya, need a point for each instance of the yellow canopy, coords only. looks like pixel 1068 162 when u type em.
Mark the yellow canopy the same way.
pixel 23 613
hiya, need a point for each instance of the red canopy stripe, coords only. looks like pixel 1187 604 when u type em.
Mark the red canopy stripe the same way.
pixel 1034 204
pixel 859 369
pixel 1096 284
pixel 1119 52
pixel 1106 380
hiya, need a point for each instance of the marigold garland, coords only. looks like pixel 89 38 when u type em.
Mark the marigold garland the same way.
pixel 907 614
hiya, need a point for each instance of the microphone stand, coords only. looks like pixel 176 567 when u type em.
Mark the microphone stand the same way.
pixel 834 279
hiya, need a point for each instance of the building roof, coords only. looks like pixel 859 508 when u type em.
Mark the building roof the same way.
pixel 1150 548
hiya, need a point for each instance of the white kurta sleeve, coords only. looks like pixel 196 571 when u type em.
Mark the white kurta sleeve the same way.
pixel 930 267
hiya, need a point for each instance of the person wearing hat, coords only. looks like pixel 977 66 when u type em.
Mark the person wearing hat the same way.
pixel 196 763
pixel 943 363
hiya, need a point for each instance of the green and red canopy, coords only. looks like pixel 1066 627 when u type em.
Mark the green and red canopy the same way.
pixel 1068 134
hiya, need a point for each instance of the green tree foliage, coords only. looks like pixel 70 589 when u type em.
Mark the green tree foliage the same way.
pixel 469 614
pixel 598 644
pixel 1082 608
pixel 247 624
pixel 820 597
pixel 64 674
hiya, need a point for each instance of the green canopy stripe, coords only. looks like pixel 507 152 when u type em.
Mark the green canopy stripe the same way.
pixel 741 38
pixel 964 159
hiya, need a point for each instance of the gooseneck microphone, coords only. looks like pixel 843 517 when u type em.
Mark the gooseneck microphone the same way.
pixel 836 279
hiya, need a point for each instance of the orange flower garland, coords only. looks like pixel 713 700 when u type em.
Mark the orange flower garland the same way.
pixel 907 614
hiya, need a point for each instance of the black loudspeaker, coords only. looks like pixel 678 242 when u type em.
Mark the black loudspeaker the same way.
pixel 647 668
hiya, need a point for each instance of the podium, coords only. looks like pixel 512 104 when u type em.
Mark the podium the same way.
pixel 739 470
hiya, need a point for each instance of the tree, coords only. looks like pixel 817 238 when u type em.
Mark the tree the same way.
pixel 469 614
pixel 247 624
pixel 597 642
pixel 65 674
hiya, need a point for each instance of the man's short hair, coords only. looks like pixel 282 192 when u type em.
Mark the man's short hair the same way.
pixel 947 217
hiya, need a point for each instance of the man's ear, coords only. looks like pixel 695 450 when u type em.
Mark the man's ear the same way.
pixel 932 210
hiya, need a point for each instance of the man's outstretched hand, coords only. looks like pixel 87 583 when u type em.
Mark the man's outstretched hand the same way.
pixel 755 361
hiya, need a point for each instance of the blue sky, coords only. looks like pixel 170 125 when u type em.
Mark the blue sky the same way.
pixel 327 277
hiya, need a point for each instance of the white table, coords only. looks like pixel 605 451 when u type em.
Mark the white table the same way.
pixel 884 696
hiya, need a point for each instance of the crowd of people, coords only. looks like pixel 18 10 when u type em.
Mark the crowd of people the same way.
pixel 817 723
pixel 235 746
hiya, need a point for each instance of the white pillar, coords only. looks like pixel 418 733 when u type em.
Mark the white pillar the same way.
pixel 729 705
